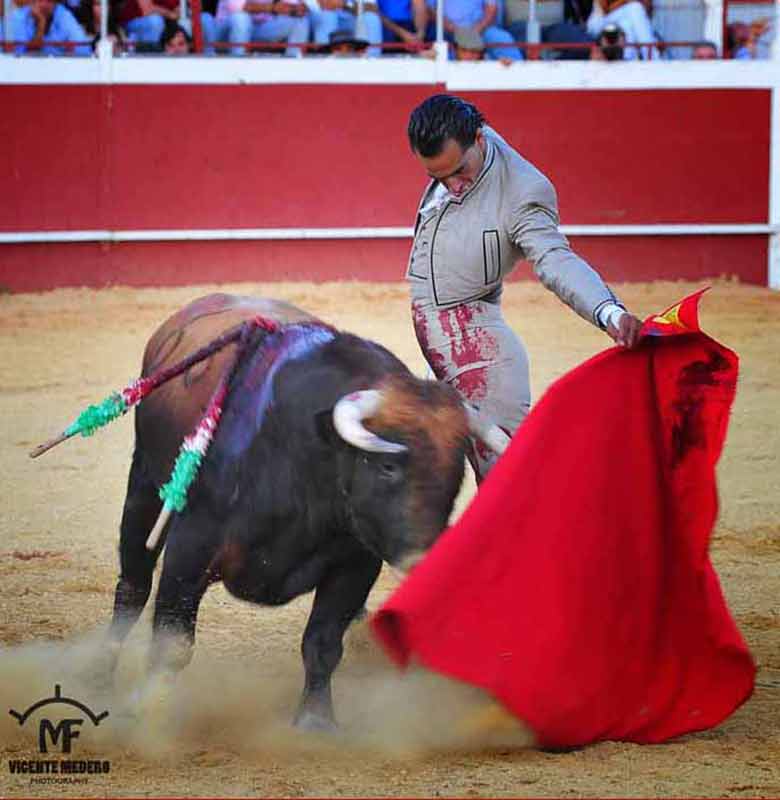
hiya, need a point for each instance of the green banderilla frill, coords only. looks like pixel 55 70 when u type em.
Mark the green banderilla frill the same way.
pixel 96 416
pixel 174 493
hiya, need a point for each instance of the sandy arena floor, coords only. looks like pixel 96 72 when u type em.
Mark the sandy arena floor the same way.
pixel 224 728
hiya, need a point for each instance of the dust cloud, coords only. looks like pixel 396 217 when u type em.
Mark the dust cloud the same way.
pixel 247 706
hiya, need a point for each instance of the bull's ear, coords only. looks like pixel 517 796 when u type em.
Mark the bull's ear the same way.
pixel 323 424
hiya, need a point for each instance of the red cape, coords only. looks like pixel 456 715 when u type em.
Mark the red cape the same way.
pixel 577 587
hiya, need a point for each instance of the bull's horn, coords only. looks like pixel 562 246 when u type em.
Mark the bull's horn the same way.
pixel 348 415
pixel 493 437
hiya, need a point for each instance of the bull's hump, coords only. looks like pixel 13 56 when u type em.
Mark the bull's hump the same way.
pixel 208 317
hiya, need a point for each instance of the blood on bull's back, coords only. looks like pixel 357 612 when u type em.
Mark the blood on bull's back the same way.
pixel 173 410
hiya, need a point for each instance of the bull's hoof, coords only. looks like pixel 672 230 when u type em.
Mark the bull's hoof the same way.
pixel 311 722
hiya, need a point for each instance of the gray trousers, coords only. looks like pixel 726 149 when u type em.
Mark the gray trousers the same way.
pixel 471 347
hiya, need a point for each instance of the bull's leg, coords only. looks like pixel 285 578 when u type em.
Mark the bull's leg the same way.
pixel 193 542
pixel 339 598
pixel 142 506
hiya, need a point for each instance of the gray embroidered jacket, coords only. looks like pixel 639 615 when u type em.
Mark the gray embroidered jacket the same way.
pixel 464 247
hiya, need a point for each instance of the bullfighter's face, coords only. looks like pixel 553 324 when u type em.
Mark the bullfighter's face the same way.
pixel 457 168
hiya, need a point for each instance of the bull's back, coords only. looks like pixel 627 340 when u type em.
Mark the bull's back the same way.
pixel 172 411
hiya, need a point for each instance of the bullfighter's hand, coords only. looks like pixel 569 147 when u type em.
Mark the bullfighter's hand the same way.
pixel 627 332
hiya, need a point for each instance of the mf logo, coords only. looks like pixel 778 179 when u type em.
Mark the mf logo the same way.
pixel 65 729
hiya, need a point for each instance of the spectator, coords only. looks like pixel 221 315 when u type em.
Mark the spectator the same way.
pixel 743 40
pixel 703 51
pixel 738 38
pixel 344 44
pixel 678 21
pixel 44 21
pixel 175 41
pixel 223 22
pixel 468 45
pixel 611 44
pixel 481 16
pixel 144 20
pixel 404 21
pixel 89 14
pixel 631 17
pixel 555 26
pixel 668 9
pixel 329 16
pixel 577 11
pixel 244 21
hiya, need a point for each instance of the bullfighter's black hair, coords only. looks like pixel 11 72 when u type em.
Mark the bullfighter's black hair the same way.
pixel 442 117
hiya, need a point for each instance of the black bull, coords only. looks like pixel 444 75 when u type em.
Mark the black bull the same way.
pixel 283 504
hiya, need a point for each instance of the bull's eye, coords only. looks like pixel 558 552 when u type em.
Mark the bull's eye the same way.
pixel 389 471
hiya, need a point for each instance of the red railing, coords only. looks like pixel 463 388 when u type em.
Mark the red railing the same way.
pixel 532 50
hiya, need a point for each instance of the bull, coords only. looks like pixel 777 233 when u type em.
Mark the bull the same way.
pixel 330 458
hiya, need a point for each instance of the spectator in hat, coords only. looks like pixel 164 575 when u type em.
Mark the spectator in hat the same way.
pixel 361 19
pixel 611 44
pixel 632 19
pixel 344 44
pixel 482 16
pixel 40 22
